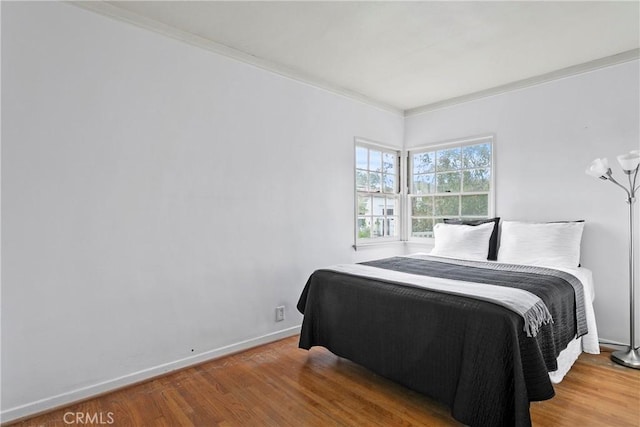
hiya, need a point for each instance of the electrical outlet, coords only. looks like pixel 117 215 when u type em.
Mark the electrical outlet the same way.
pixel 280 313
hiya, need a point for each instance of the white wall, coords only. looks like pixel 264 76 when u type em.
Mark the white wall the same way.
pixel 546 136
pixel 159 201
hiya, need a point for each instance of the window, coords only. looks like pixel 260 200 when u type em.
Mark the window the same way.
pixel 377 193
pixel 453 181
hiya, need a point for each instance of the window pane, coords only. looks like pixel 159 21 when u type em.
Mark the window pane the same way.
pixel 390 226
pixel 476 156
pixel 423 162
pixel 421 227
pixel 424 184
pixel 375 160
pixel 364 205
pixel 361 158
pixel 375 181
pixel 422 206
pixel 364 227
pixel 448 182
pixel 389 163
pixel 389 183
pixel 475 205
pixel 448 160
pixel 446 205
pixel 477 180
pixel 391 206
pixel 377 227
pixel 377 207
pixel 362 180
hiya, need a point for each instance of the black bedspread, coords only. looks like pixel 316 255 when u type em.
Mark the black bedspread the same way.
pixel 469 354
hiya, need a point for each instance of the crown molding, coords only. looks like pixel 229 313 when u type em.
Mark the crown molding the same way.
pixel 586 67
pixel 114 12
pixel 124 15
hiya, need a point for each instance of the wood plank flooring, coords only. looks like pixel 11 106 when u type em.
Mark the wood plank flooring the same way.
pixel 281 385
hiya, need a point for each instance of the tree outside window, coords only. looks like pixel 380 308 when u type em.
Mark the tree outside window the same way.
pixel 451 182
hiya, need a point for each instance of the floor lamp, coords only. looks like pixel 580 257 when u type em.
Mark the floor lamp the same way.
pixel 600 169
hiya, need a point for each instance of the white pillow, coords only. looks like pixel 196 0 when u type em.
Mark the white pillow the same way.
pixel 552 244
pixel 462 241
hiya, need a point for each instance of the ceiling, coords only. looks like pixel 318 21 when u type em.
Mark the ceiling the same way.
pixel 402 55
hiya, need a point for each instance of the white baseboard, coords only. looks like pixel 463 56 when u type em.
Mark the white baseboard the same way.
pixel 613 344
pixel 67 398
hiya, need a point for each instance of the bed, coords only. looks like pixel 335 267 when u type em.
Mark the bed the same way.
pixel 483 337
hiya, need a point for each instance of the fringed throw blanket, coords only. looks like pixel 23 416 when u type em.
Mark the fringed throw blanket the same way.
pixel 514 286
pixel 533 311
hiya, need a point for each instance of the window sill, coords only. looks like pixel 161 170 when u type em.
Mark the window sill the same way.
pixel 422 244
pixel 377 245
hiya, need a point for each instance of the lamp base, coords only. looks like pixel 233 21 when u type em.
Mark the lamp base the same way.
pixel 629 358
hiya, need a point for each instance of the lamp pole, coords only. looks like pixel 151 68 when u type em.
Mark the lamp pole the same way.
pixel 630 357
pixel 630 164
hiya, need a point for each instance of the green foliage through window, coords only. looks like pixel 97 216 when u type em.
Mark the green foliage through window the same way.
pixel 452 182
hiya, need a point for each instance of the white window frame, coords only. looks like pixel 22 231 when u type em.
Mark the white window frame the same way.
pixel 397 194
pixel 410 193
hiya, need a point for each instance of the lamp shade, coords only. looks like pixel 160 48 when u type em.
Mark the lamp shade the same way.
pixel 598 168
pixel 629 161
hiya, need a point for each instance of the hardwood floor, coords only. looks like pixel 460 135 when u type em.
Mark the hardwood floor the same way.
pixel 281 385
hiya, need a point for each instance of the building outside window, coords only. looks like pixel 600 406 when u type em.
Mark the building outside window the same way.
pixel 377 192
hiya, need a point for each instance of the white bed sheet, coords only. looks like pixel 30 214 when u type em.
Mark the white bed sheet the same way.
pixel 588 343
